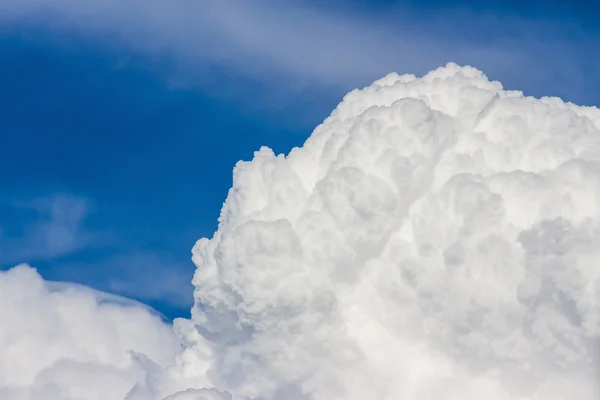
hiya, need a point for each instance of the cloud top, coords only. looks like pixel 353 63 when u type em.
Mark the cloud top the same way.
pixel 434 238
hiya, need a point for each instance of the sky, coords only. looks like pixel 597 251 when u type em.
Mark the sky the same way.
pixel 121 122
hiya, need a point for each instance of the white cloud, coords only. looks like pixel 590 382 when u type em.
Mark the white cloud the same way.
pixel 319 47
pixel 435 238
pixel 68 342
pixel 199 394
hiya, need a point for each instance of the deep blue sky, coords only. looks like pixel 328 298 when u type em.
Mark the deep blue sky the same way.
pixel 116 151
pixel 152 163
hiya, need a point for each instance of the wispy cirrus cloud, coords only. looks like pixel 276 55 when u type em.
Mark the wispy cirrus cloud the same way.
pixel 147 275
pixel 53 232
pixel 44 228
pixel 297 45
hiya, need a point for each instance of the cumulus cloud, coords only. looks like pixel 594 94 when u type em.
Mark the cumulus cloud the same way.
pixel 60 341
pixel 435 238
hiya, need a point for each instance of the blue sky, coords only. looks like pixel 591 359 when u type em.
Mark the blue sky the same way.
pixel 120 122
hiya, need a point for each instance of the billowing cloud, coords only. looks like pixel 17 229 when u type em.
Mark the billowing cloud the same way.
pixel 435 238
pixel 60 342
